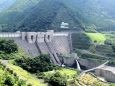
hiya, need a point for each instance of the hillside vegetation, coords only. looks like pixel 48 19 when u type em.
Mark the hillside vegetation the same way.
pixel 9 78
pixel 96 38
pixel 32 15
pixel 99 43
pixel 9 50
pixel 25 75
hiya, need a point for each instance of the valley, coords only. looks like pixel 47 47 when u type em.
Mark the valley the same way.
pixel 57 43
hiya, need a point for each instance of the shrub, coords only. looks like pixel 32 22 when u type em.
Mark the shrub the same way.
pixel 15 74
pixel 9 81
pixel 56 79
pixel 11 71
pixel 40 74
pixel 8 46
pixel 47 77
pixel 21 83
pixel 40 63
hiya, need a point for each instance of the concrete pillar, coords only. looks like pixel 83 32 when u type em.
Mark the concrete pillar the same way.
pixel 40 37
pixel 23 35
pixel 49 35
pixel 31 37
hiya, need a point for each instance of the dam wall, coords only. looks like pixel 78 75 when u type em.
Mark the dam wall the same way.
pixel 61 44
pixel 29 41
pixel 36 43
pixel 29 49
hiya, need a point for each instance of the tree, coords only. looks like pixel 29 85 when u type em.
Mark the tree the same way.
pixel 8 46
pixel 9 81
pixel 56 79
pixel 37 64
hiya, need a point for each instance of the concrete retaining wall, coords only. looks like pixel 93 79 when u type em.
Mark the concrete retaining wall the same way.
pixel 68 61
pixel 71 62
pixel 89 63
pixel 108 75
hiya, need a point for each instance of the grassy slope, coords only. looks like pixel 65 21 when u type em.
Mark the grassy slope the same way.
pixel 69 72
pixel 4 73
pixel 100 38
pixel 25 75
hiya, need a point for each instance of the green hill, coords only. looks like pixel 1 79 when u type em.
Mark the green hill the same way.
pixel 49 15
pixel 37 15
pixel 17 11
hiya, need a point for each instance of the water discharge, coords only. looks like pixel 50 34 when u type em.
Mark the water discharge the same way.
pixel 78 66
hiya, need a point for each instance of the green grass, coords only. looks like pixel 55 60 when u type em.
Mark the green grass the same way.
pixel 25 75
pixel 100 38
pixel 71 73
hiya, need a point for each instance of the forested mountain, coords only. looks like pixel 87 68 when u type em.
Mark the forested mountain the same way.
pixel 35 15
pixel 49 15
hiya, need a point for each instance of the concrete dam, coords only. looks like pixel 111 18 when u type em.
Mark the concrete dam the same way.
pixel 54 44
pixel 36 43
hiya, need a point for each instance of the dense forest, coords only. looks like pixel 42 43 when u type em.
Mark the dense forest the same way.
pixel 32 15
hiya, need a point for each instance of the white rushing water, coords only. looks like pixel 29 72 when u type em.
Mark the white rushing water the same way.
pixel 78 66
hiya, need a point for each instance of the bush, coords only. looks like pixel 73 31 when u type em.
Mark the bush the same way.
pixel 111 62
pixel 40 63
pixel 47 77
pixel 8 46
pixel 57 79
pixel 11 71
pixel 40 74
pixel 21 83
pixel 15 74
pixel 9 81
